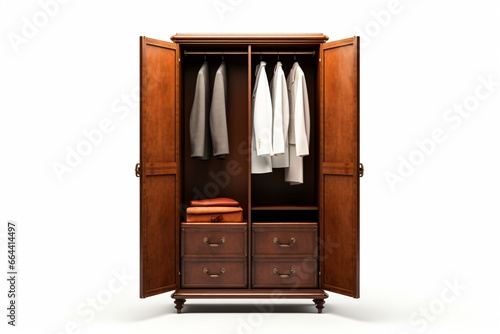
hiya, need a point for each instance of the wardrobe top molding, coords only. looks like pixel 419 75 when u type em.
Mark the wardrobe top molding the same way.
pixel 233 39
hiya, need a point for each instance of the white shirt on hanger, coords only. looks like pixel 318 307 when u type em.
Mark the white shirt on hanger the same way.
pixel 281 117
pixel 262 122
pixel 299 129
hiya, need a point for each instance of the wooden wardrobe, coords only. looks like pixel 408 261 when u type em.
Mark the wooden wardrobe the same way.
pixel 295 241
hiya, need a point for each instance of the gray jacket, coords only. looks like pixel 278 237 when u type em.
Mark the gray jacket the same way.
pixel 198 122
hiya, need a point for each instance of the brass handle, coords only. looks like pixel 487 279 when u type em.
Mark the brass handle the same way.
pixel 361 170
pixel 290 244
pixel 138 169
pixel 222 271
pixel 277 272
pixel 222 240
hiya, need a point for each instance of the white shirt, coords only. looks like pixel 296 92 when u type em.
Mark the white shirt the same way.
pixel 262 123
pixel 299 129
pixel 281 117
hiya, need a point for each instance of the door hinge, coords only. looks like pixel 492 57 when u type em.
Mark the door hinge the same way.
pixel 138 169
pixel 361 170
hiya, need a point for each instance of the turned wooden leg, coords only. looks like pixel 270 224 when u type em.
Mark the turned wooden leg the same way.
pixel 179 304
pixel 319 304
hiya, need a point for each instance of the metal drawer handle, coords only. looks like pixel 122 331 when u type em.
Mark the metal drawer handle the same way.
pixel 277 241
pixel 222 240
pixel 277 272
pixel 222 271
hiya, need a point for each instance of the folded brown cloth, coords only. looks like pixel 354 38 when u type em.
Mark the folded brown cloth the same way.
pixel 219 201
pixel 214 214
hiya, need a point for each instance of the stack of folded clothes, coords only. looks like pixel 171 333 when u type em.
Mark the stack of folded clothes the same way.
pixel 220 209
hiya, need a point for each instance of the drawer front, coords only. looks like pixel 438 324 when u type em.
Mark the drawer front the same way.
pixel 294 273
pixel 214 274
pixel 294 239
pixel 214 239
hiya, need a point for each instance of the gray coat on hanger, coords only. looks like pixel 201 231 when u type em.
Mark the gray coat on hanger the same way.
pixel 198 121
pixel 218 122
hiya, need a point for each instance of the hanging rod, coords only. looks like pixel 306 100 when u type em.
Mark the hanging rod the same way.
pixel 253 52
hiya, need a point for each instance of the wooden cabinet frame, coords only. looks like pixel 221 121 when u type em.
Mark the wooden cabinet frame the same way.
pixel 165 171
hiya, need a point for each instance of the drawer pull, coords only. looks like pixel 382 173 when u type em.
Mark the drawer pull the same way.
pixel 222 240
pixel 277 272
pixel 277 241
pixel 222 271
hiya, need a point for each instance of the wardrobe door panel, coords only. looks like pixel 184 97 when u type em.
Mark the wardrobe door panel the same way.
pixel 339 161
pixel 159 161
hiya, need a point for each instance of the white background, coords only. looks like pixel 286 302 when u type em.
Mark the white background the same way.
pixel 436 227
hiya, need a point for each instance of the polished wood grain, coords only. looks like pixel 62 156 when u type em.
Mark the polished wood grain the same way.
pixel 284 255
pixel 339 179
pixel 285 272
pixel 316 225
pixel 250 294
pixel 318 296
pixel 213 240
pixel 285 208
pixel 159 180
pixel 213 273
pixel 235 39
pixel 281 240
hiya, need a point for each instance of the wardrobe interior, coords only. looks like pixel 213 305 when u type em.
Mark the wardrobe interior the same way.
pixel 263 197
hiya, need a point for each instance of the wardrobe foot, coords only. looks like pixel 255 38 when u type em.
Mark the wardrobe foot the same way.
pixel 319 304
pixel 179 304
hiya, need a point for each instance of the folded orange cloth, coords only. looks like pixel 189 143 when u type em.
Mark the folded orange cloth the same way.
pixel 214 214
pixel 218 201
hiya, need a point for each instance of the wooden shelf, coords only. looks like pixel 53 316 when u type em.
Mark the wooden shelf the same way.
pixel 249 293
pixel 285 208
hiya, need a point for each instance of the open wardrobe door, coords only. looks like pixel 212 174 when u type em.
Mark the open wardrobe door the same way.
pixel 159 167
pixel 339 166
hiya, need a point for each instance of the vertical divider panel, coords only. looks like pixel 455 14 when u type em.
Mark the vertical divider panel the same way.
pixel 248 151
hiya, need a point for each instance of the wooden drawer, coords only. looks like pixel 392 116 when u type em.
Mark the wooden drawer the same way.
pixel 293 273
pixel 293 239
pixel 203 273
pixel 214 239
